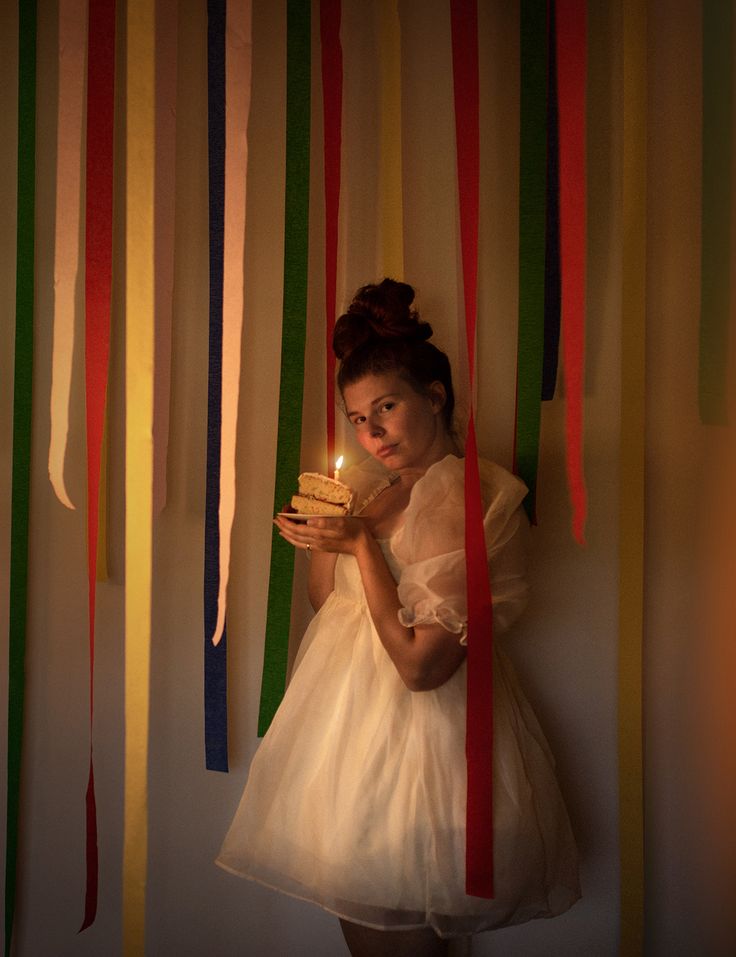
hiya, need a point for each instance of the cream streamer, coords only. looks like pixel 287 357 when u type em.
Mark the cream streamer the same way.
pixel 237 107
pixel 70 113
pixel 391 188
pixel 166 75
pixel 139 360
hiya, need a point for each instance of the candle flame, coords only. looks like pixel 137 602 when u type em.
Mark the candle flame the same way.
pixel 338 463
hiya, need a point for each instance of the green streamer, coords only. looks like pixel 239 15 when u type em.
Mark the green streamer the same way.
pixel 21 472
pixel 532 228
pixel 716 208
pixel 293 338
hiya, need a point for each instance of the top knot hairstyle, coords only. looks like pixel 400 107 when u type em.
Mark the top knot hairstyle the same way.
pixel 381 333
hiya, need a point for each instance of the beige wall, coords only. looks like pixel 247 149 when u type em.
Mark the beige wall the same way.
pixel 566 646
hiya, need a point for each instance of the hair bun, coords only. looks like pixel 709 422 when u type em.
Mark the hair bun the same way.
pixel 379 311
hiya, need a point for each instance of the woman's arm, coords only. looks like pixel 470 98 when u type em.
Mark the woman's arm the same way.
pixel 425 656
pixel 321 582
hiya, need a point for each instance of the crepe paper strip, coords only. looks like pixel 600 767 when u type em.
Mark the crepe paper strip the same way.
pixel 552 279
pixel 571 27
pixel 293 338
pixel 70 114
pixel 329 13
pixel 391 187
pixel 102 573
pixel 22 423
pixel 98 287
pixel 479 729
pixel 632 479
pixel 139 404
pixel 166 77
pixel 237 106
pixel 532 226
pixel 717 186
pixel 215 656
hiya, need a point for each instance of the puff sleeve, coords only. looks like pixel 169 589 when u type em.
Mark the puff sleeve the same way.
pixel 430 548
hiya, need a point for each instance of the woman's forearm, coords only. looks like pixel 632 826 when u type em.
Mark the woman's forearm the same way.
pixel 425 656
pixel 321 580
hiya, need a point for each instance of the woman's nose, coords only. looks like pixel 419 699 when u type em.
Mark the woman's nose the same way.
pixel 376 430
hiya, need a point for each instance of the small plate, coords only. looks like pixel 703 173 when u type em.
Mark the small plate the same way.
pixel 303 517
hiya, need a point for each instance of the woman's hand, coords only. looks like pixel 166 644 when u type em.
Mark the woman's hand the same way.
pixel 337 534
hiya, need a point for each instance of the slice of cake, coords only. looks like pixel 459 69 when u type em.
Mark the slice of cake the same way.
pixel 320 495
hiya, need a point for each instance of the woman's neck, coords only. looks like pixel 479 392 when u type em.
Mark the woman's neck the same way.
pixel 412 474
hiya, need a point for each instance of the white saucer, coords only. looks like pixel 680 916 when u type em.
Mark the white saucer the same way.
pixel 302 517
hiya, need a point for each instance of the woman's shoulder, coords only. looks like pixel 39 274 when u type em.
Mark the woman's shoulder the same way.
pixel 500 488
pixel 445 481
pixel 434 521
pixel 366 478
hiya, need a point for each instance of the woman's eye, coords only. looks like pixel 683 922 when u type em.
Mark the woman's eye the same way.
pixel 387 406
pixel 359 420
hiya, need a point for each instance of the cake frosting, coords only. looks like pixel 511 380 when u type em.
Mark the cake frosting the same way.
pixel 320 495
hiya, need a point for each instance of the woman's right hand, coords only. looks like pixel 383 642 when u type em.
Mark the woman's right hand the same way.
pixel 334 534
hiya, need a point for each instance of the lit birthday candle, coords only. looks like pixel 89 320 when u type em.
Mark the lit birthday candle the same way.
pixel 338 466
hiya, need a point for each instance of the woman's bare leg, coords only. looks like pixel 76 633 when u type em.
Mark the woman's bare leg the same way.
pixel 368 942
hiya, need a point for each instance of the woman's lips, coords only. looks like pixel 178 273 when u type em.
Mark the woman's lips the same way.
pixel 385 450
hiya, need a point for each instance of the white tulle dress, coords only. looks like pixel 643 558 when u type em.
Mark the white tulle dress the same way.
pixel 355 799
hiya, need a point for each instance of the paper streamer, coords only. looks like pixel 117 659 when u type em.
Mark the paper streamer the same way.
pixel 101 569
pixel 479 731
pixel 167 17
pixel 552 291
pixel 717 185
pixel 139 363
pixel 532 227
pixel 329 12
pixel 98 288
pixel 293 337
pixel 70 116
pixel 571 24
pixel 215 656
pixel 22 419
pixel 632 476
pixel 390 182
pixel 237 107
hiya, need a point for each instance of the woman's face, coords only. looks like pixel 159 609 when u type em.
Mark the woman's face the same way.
pixel 402 428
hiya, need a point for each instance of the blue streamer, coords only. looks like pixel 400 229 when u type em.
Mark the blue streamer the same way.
pixel 215 657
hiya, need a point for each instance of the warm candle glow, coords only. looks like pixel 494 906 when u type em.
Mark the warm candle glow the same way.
pixel 338 466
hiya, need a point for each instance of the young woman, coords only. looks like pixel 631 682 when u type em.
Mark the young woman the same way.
pixel 356 797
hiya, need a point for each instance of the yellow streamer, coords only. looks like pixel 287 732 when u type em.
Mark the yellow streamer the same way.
pixel 139 337
pixel 72 47
pixel 237 107
pixel 632 504
pixel 390 184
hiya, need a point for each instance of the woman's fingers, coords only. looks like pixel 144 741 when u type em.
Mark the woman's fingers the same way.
pixel 292 532
pixel 321 534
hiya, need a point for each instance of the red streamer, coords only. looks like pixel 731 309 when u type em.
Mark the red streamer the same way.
pixel 571 72
pixel 479 729
pixel 329 11
pixel 98 286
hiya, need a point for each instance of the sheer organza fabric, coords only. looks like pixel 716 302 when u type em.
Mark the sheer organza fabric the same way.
pixel 355 799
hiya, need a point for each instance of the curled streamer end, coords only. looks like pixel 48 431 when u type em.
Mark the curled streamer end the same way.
pixel 220 626
pixel 61 492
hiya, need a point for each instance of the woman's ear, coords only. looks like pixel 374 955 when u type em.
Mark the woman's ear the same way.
pixel 437 396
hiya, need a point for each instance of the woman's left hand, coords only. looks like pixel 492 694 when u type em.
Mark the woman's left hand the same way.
pixel 325 533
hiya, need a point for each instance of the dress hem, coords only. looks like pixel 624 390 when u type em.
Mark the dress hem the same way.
pixel 442 934
pixel 329 910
